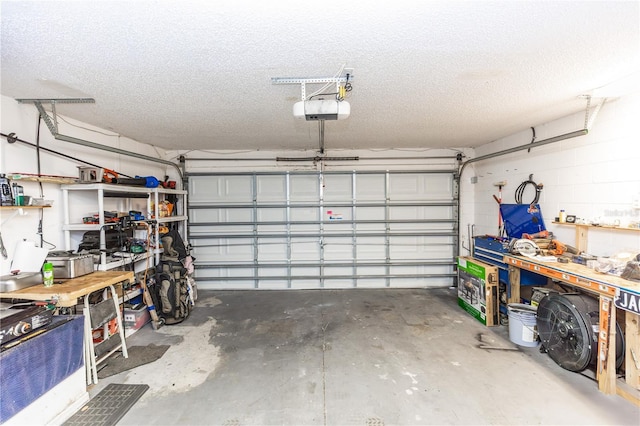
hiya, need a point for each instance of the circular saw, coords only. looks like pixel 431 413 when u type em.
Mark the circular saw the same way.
pixel 523 247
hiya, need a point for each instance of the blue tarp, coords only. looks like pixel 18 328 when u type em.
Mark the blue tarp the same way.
pixel 30 369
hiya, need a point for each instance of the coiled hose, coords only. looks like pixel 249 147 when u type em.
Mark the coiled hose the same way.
pixel 520 190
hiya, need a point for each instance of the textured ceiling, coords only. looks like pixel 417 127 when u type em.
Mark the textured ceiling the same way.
pixel 197 74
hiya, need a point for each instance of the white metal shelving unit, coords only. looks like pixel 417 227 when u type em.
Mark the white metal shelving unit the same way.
pixel 124 196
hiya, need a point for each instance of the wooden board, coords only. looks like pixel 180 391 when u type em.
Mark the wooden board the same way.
pixel 68 292
pixel 29 177
pixel 576 274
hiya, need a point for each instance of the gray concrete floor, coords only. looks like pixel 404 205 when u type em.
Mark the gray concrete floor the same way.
pixel 352 357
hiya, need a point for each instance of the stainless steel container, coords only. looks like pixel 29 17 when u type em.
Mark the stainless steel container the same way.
pixel 71 265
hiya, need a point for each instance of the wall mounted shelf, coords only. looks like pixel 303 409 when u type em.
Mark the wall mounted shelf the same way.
pixel 582 232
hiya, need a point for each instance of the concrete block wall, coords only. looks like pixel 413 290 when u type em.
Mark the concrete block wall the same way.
pixel 595 177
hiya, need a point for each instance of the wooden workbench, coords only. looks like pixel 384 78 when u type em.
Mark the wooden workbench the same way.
pixel 68 292
pixel 607 288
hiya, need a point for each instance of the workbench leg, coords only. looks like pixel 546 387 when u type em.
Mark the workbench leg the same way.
pixel 607 347
pixel 514 284
pixel 632 355
pixel 90 346
pixel 123 342
pixel 87 335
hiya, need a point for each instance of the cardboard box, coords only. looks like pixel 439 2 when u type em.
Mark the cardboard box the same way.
pixel 478 290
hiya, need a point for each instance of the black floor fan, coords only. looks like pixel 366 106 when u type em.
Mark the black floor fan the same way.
pixel 568 328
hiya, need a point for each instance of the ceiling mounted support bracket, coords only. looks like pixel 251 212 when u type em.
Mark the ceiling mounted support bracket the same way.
pixel 58 101
pixel 52 121
pixel 52 124
pixel 590 117
pixel 304 81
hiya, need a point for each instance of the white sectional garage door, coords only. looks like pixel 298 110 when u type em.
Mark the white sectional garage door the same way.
pixel 301 230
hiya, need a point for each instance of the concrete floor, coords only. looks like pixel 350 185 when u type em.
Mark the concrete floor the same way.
pixel 352 357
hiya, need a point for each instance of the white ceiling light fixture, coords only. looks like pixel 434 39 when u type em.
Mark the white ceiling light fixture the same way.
pixel 328 105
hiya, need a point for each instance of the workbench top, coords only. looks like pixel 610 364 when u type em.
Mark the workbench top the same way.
pixel 578 270
pixel 68 292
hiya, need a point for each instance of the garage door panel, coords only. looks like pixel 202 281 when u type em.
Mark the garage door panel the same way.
pixel 271 215
pixel 419 282
pixel 417 186
pixel 338 188
pixel 338 249
pixel 301 214
pixel 271 188
pixel 334 213
pixel 225 249
pixel 372 248
pixel 372 283
pixel 273 284
pixel 204 189
pixel 418 248
pixel 220 284
pixel 323 230
pixel 271 229
pixel 418 270
pixel 272 249
pixel 304 188
pixel 270 274
pixel 305 250
pixel 311 273
pixel 303 284
pixel 338 283
pixel 372 271
pixel 419 212
pixel 338 271
pixel 222 189
pixel 371 187
pixel 311 231
pixel 221 215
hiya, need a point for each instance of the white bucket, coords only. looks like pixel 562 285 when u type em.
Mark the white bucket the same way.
pixel 522 324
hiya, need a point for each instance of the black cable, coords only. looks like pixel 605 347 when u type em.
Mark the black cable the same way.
pixel 323 94
pixel 521 188
pixel 347 88
pixel 41 215
pixel 38 152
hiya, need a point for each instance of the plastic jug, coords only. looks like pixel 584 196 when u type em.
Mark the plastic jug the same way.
pixel 47 274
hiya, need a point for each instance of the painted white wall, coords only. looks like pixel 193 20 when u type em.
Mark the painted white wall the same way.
pixel 19 158
pixel 595 177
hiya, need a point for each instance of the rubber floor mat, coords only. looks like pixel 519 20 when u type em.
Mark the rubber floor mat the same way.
pixel 108 406
pixel 138 355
